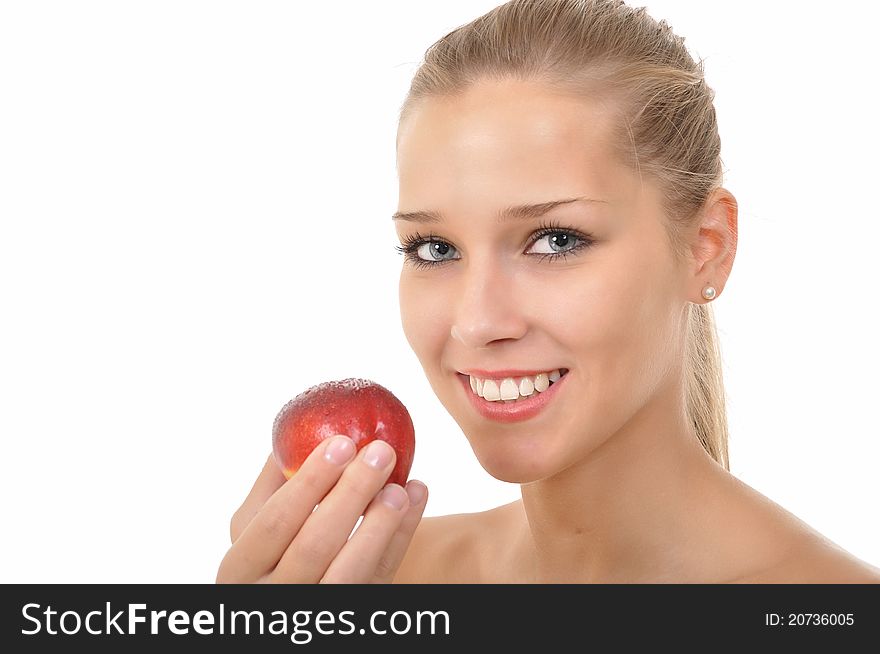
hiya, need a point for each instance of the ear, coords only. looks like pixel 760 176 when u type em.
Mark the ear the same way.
pixel 714 245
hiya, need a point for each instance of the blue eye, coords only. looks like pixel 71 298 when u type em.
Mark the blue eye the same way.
pixel 567 241
pixel 435 250
pixel 560 238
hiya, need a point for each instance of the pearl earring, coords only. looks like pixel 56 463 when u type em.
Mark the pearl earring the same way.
pixel 709 292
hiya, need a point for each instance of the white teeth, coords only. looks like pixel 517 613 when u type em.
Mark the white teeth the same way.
pixel 542 382
pixel 490 391
pixel 509 390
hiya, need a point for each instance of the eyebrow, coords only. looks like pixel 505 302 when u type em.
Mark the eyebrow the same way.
pixel 518 212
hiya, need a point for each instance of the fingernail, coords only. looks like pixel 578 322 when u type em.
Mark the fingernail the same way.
pixel 378 454
pixel 339 450
pixel 394 496
pixel 416 491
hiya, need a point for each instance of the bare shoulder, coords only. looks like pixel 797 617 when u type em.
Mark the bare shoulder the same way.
pixel 817 561
pixel 763 542
pixel 451 549
pixel 808 557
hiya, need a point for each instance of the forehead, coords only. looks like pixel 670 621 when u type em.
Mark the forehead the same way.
pixel 503 138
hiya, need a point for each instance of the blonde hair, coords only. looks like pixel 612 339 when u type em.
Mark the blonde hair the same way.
pixel 668 132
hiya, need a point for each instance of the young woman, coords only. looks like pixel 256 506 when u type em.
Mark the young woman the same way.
pixel 565 232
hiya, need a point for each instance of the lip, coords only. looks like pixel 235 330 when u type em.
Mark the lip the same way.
pixel 518 411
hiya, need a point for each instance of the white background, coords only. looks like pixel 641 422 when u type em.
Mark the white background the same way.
pixel 195 203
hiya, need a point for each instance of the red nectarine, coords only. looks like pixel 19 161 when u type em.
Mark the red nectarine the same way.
pixel 359 408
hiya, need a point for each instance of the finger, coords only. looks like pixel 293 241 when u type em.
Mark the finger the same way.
pixel 328 528
pixel 400 541
pixel 268 535
pixel 368 548
pixel 270 480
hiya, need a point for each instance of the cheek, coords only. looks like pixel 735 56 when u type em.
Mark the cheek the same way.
pixel 589 309
pixel 423 318
pixel 615 319
pixel 639 338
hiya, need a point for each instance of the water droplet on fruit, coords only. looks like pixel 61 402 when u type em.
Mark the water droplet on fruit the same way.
pixel 349 384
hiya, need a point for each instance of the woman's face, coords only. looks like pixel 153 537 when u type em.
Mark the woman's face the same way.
pixel 494 291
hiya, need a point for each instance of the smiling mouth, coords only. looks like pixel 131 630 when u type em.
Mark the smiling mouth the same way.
pixel 513 410
pixel 511 389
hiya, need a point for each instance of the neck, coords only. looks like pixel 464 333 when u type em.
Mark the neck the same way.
pixel 622 514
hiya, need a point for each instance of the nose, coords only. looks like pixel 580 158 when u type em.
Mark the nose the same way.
pixel 488 308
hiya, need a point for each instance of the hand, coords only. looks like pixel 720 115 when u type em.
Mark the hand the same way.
pixel 279 536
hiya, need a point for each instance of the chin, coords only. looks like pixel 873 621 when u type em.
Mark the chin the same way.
pixel 514 460
pixel 513 476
